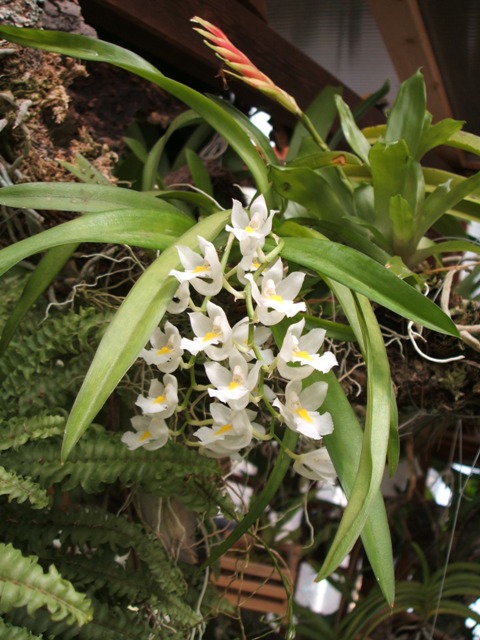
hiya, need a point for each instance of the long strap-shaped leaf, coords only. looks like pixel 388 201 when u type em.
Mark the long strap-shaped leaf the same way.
pixel 261 502
pixel 148 229
pixel 348 437
pixel 347 440
pixel 97 50
pixel 87 198
pixel 132 325
pixel 368 277
pixel 375 440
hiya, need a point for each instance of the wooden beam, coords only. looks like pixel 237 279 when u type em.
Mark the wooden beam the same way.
pixel 162 30
pixel 403 29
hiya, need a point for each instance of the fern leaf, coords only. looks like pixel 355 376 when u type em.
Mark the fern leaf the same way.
pixel 23 583
pixel 10 632
pixel 114 623
pixel 101 458
pixel 18 431
pixel 45 364
pixel 21 489
pixel 91 528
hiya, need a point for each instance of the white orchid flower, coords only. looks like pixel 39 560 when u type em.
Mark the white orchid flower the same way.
pixel 162 398
pixel 234 385
pixel 204 272
pixel 231 431
pixel 316 465
pixel 150 433
pixel 260 336
pixel 250 263
pixel 213 333
pixel 180 300
pixel 167 352
pixel 278 294
pixel 303 350
pixel 300 409
pixel 250 230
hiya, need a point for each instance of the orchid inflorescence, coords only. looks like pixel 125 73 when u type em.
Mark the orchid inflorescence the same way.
pixel 234 362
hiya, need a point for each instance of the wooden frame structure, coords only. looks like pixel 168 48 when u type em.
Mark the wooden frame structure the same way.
pixel 161 30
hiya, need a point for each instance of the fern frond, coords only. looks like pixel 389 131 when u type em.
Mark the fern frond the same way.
pixel 47 361
pixel 17 431
pixel 10 632
pixel 149 577
pixel 106 578
pixel 91 528
pixel 21 489
pixel 101 458
pixel 114 623
pixel 24 584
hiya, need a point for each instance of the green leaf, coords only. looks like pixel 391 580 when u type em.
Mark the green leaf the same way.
pixel 406 119
pixel 24 584
pixel 401 215
pixel 85 171
pixel 9 632
pixel 325 159
pixel 344 445
pixel 260 502
pixel 309 189
pixel 465 141
pixel 137 148
pixel 354 136
pixel 20 489
pixel 364 492
pixel 47 269
pixel 200 176
pixel 438 134
pixel 362 109
pixel 444 197
pixel 150 169
pixel 88 198
pixel 190 197
pixel 394 172
pixel 131 327
pixel 97 50
pixel 322 114
pixel 361 274
pixel 450 246
pixel 148 229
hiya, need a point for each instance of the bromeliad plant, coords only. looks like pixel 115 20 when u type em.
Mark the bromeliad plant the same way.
pixel 343 217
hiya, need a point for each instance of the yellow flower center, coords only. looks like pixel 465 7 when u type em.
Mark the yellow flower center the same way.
pixel 249 229
pixel 201 268
pixel 303 354
pixel 160 399
pixel 304 415
pixel 211 335
pixel 233 385
pixel 145 436
pixel 163 351
pixel 225 429
pixel 276 298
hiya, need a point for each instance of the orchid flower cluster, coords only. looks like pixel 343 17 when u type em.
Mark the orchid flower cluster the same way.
pixel 229 394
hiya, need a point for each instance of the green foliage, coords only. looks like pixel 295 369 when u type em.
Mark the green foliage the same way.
pixel 21 489
pixel 34 368
pixel 17 431
pixel 51 557
pixel 24 583
pixel 358 221
pixel 9 632
pixel 101 459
